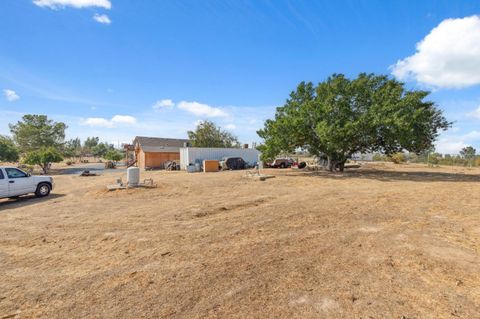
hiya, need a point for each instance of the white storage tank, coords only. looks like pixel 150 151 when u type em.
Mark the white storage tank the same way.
pixel 133 176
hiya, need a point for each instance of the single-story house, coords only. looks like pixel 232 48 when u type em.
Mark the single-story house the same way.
pixel 153 152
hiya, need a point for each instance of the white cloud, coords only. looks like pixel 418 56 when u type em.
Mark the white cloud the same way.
pixel 200 109
pixel 475 114
pixel 103 122
pixel 453 144
pixel 102 18
pixel 449 146
pixel 10 95
pixel 448 57
pixel 124 119
pixel 230 126
pixel 56 4
pixel 98 121
pixel 163 103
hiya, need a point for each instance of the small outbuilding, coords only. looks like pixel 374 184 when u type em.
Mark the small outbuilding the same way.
pixel 153 152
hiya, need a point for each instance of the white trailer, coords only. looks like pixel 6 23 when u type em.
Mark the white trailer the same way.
pixel 193 155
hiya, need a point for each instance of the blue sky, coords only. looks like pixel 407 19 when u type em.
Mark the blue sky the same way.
pixel 119 68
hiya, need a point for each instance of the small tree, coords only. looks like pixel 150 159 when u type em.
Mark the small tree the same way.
pixel 207 134
pixel 8 150
pixel 100 150
pixel 434 159
pixel 468 153
pixel 113 155
pixel 90 143
pixel 43 158
pixel 73 148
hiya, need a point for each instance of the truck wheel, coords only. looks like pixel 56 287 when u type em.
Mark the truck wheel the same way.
pixel 43 189
pixel 282 165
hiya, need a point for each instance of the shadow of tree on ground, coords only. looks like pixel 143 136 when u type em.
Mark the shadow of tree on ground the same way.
pixel 388 176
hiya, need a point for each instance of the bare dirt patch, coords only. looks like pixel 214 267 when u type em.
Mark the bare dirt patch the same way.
pixel 379 242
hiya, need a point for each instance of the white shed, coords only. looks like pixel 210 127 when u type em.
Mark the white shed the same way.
pixel 193 155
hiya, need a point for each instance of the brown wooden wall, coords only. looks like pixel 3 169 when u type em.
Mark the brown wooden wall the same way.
pixel 140 157
pixel 156 160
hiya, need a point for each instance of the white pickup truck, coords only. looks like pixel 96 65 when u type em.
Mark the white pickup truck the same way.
pixel 14 182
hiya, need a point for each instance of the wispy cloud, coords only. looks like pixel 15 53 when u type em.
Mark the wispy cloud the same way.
pixel 475 114
pixel 40 87
pixel 58 4
pixel 163 103
pixel 200 109
pixel 102 18
pixel 113 122
pixel 10 95
pixel 448 57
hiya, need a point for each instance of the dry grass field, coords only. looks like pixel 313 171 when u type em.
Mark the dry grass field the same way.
pixel 382 241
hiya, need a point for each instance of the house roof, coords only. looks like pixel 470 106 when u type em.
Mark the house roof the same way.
pixel 159 144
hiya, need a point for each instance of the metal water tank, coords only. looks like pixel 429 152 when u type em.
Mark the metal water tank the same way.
pixel 133 176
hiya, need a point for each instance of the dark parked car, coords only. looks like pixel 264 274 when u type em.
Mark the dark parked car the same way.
pixel 233 163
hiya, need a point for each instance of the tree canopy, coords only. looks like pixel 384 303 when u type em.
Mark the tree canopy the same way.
pixel 207 134
pixel 8 150
pixel 34 132
pixel 468 152
pixel 90 143
pixel 73 148
pixel 43 157
pixel 101 149
pixel 113 155
pixel 340 117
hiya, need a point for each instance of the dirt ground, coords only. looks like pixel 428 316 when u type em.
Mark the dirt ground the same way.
pixel 382 241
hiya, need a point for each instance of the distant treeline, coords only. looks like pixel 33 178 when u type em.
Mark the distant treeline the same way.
pixel 37 140
pixel 467 157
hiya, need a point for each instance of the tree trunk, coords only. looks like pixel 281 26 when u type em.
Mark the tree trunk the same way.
pixel 333 165
pixel 330 164
pixel 44 168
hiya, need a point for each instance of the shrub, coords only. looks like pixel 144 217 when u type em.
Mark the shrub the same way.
pixel 477 161
pixel 379 157
pixel 398 158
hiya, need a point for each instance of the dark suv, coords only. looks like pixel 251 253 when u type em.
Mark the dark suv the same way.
pixel 233 163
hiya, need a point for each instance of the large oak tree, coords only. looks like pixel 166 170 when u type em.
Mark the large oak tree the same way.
pixel 340 117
